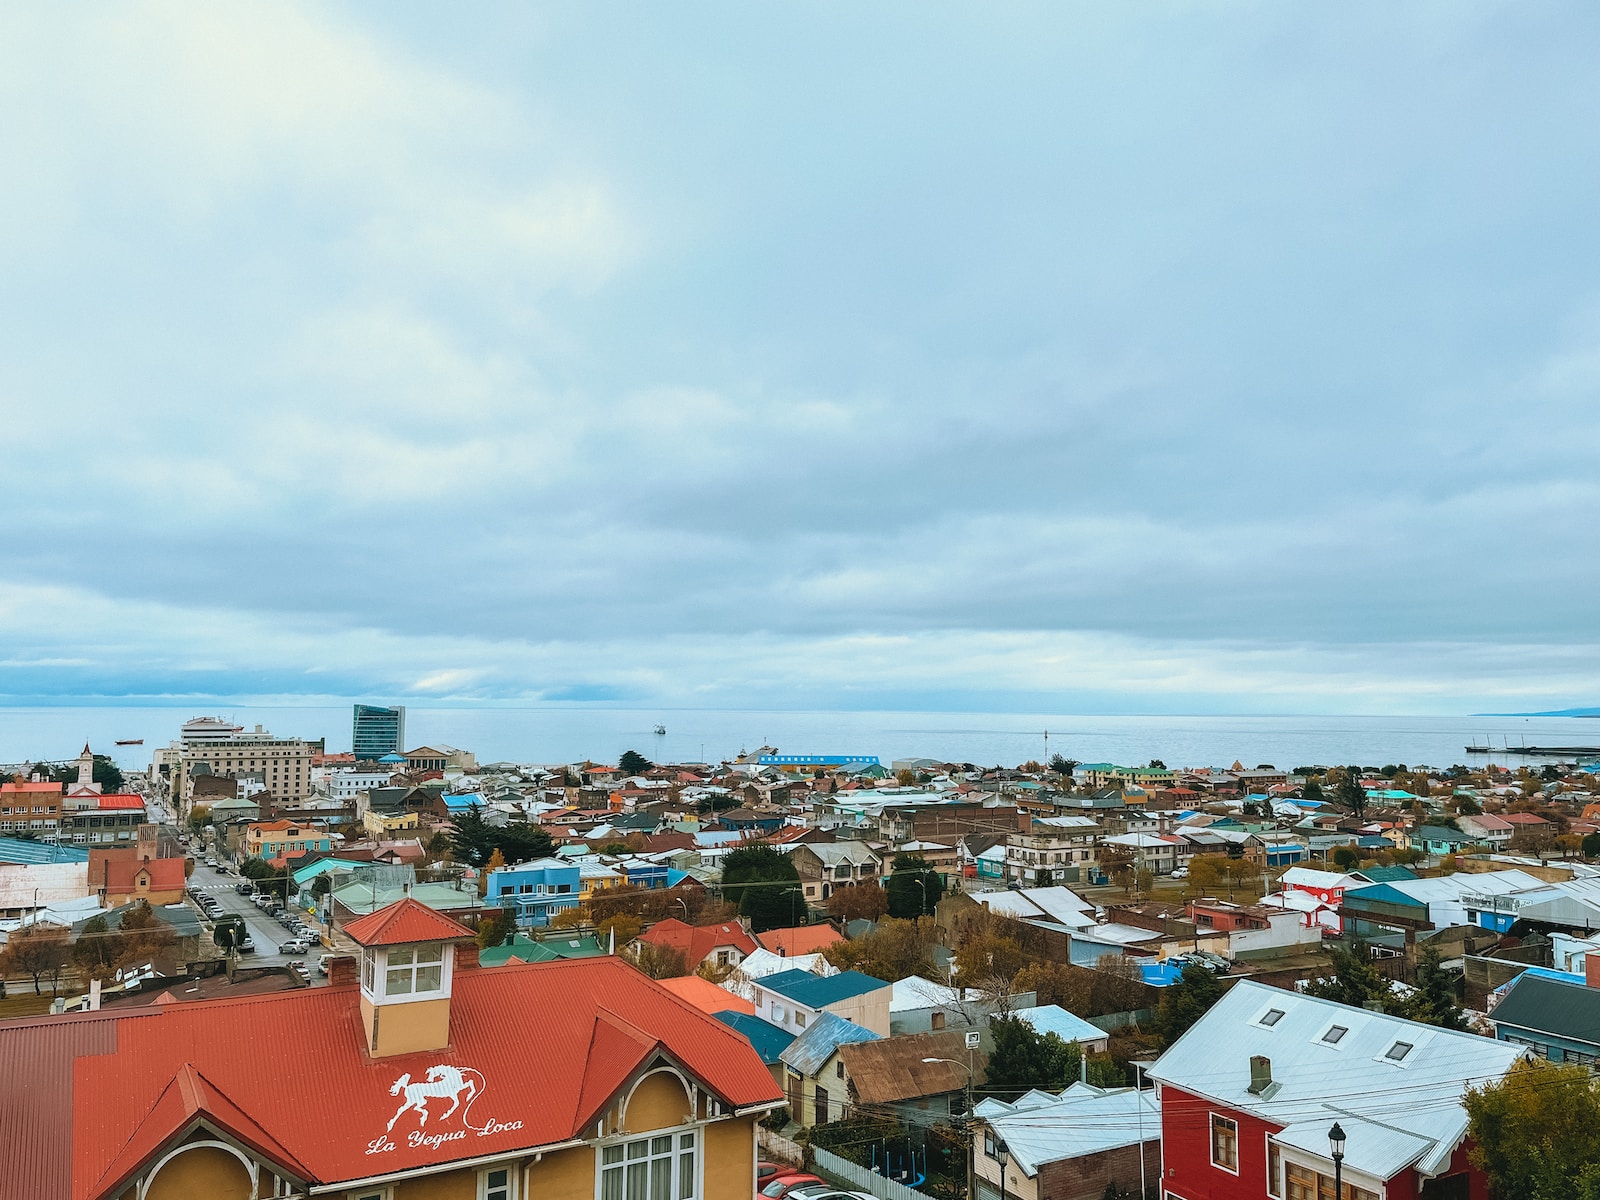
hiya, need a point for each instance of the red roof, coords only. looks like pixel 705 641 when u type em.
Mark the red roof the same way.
pixel 1523 819
pixel 802 939
pixel 133 1079
pixel 31 787
pixel 707 996
pixel 122 800
pixel 405 921
pixel 117 870
pixel 698 941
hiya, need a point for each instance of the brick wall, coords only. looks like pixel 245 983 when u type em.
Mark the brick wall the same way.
pixel 1086 1178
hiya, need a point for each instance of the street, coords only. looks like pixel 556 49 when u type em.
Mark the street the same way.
pixel 265 932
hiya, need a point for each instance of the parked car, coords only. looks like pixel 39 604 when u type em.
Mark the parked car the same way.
pixel 322 963
pixel 295 947
pixel 778 1186
pixel 246 946
pixel 764 1170
pixel 1181 873
pixel 245 889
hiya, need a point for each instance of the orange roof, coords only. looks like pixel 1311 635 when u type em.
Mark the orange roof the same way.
pixel 122 800
pixel 697 941
pixel 105 1091
pixel 30 787
pixel 707 996
pixel 802 939
pixel 405 921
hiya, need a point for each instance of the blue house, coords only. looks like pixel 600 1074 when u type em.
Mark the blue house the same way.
pixel 647 874
pixel 1558 1019
pixel 535 890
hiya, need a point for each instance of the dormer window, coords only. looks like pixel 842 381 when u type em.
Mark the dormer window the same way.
pixel 414 969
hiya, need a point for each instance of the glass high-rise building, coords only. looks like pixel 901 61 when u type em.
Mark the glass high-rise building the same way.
pixel 376 731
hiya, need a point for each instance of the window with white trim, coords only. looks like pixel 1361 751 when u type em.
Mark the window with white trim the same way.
pixel 380 1194
pixel 660 1167
pixel 1225 1143
pixel 414 969
pixel 497 1183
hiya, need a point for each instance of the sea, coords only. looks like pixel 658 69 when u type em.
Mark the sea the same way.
pixel 574 732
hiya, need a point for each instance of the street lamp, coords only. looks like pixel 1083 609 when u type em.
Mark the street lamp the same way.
pixel 1003 1153
pixel 1336 1145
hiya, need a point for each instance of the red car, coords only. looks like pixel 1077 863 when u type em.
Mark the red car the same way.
pixel 766 1170
pixel 777 1186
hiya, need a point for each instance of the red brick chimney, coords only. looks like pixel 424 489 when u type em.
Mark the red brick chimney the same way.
pixel 466 955
pixel 342 971
pixel 1591 969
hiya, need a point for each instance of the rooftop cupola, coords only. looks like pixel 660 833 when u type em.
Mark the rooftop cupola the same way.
pixel 408 960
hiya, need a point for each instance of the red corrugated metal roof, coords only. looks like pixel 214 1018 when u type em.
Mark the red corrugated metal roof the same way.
pixel 697 941
pixel 405 921
pixel 122 800
pixel 296 1065
pixel 707 996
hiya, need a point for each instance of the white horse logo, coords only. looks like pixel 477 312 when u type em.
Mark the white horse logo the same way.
pixel 441 1081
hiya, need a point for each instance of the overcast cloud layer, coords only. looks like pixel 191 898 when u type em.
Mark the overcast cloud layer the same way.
pixel 1187 358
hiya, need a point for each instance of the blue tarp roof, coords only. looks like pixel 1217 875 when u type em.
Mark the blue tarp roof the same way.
pixel 464 800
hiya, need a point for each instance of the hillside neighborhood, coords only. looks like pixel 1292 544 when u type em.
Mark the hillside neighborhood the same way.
pixel 795 973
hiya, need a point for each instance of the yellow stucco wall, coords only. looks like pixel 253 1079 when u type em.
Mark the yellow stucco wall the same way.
pixel 730 1166
pixel 451 1185
pixel 564 1175
pixel 658 1102
pixel 207 1171
pixel 407 1028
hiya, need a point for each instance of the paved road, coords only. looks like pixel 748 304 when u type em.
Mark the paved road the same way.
pixel 265 932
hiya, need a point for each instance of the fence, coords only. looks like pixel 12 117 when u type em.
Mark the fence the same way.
pixel 779 1147
pixel 860 1177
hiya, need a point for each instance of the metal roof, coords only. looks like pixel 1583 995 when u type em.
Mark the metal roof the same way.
pixel 1052 1018
pixel 1040 1128
pixel 810 1052
pixel 1544 1005
pixel 75 1090
pixel 768 1041
pixel 1383 1103
pixel 404 921
pixel 816 991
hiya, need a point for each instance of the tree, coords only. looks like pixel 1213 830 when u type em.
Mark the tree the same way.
pixel 37 951
pixel 865 901
pixel 1157 765
pixel 1024 1059
pixel 1350 794
pixel 265 877
pixel 1063 766
pixel 1186 1001
pixel 661 962
pixel 95 951
pixel 495 928
pixel 1207 874
pixel 1345 857
pixel 569 918
pixel 473 840
pixel 1434 1001
pixel 1313 792
pixel 199 818
pixel 497 862
pixel 625 926
pixel 1354 980
pixel 1590 844
pixel 143 935
pixel 893 951
pixel 1117 863
pixel 105 772
pixel 469 836
pixel 1536 1132
pixel 905 777
pixel 634 763
pixel 987 959
pixel 1466 806
pixel 913 887
pixel 766 886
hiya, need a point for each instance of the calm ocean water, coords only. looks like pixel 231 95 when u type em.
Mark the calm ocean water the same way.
pixel 569 733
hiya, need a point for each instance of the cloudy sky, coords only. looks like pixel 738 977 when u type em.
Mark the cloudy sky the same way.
pixel 1186 358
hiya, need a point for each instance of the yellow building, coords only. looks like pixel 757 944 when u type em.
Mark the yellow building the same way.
pixel 414 1075
pixel 381 825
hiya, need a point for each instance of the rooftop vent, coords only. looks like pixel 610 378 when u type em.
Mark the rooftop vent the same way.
pixel 1261 1076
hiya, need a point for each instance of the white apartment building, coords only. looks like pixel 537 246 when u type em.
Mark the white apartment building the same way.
pixel 282 764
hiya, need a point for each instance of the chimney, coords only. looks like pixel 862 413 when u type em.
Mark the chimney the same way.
pixel 466 955
pixel 1260 1074
pixel 1591 969
pixel 341 970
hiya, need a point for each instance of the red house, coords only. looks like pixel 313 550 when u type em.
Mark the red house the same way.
pixel 1251 1092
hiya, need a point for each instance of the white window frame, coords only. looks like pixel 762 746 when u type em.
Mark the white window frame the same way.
pixel 1274 1179
pixel 513 1179
pixel 677 1133
pixel 377 1193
